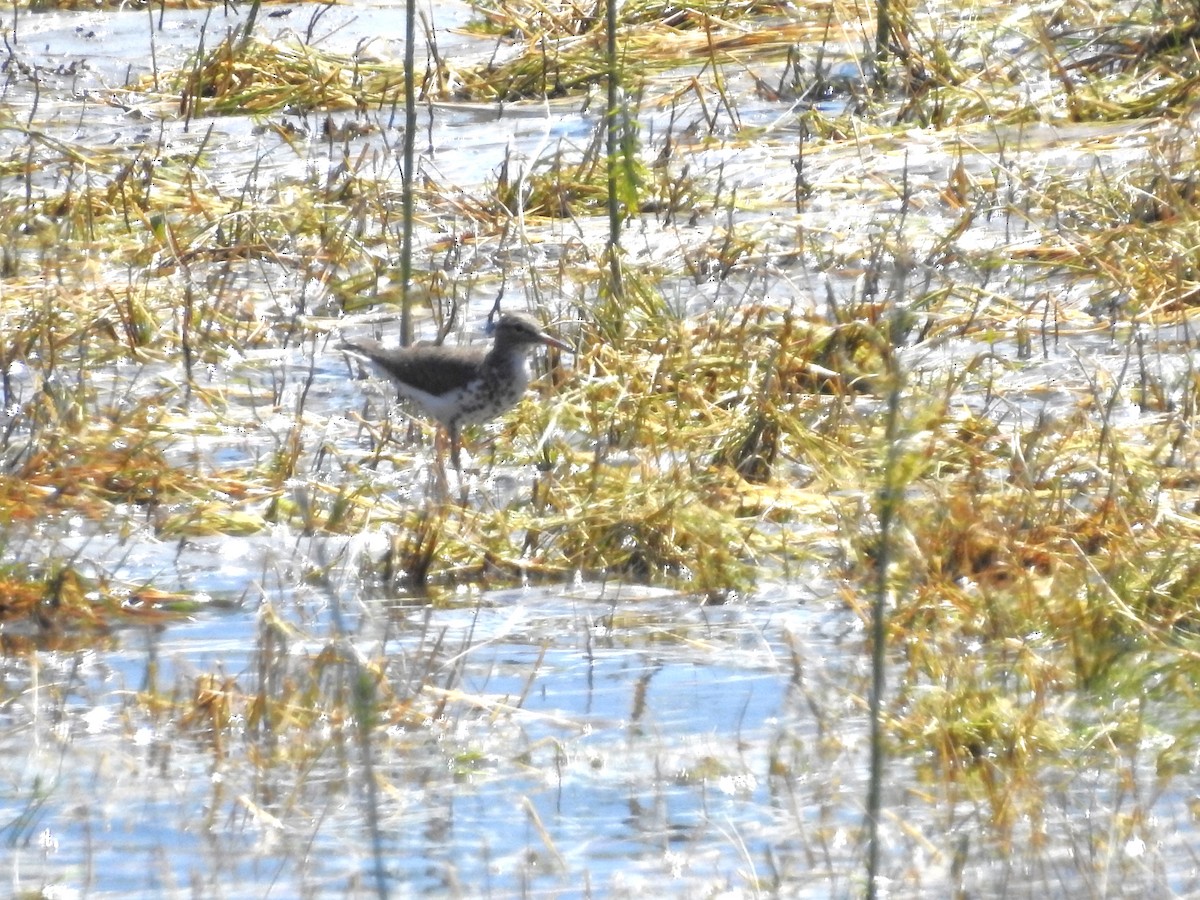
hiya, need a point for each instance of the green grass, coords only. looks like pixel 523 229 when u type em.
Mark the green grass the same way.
pixel 724 420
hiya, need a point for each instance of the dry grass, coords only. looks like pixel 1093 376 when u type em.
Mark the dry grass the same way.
pixel 1047 568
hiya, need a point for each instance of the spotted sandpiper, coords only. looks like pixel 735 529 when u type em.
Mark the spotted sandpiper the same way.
pixel 460 385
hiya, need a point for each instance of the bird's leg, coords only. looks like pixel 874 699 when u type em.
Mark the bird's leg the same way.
pixel 454 448
pixel 442 486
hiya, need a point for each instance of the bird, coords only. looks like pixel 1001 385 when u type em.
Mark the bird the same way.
pixel 460 385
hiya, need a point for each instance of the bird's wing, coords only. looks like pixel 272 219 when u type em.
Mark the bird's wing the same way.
pixel 430 369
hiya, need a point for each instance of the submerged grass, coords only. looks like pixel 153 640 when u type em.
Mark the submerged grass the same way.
pixel 60 606
pixel 1039 577
pixel 1043 568
pixel 665 467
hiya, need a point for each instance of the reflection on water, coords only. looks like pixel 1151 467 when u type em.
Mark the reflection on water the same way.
pixel 565 750
pixel 685 751
pixel 590 739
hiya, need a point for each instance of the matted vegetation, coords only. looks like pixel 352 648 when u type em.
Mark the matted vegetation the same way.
pixel 962 307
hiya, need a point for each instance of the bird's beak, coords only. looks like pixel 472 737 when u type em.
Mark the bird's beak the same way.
pixel 555 342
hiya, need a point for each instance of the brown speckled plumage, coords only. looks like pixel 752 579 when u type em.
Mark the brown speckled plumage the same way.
pixel 460 385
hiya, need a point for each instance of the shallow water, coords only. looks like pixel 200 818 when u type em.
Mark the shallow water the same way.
pixel 582 739
pixel 640 755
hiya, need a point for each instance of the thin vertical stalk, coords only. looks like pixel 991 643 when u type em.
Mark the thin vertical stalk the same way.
pixel 889 499
pixel 248 28
pixel 364 692
pixel 883 33
pixel 613 147
pixel 365 705
pixel 890 495
pixel 407 174
pixel 153 49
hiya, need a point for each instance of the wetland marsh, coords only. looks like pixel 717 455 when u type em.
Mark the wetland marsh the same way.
pixel 251 648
